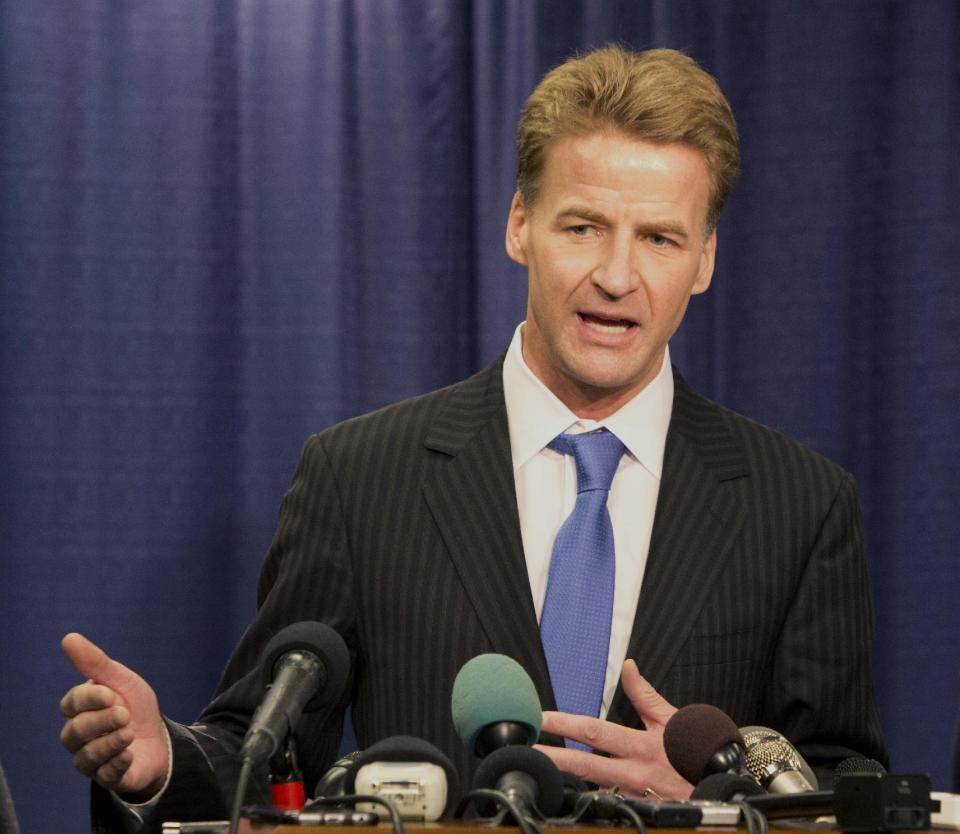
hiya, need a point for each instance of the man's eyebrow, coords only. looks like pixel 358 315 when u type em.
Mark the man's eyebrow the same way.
pixel 647 227
pixel 676 228
pixel 582 213
pixel 663 227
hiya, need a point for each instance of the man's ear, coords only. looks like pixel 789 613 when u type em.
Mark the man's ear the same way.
pixel 515 240
pixel 708 259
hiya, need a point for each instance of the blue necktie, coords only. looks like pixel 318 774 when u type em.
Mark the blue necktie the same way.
pixel 575 624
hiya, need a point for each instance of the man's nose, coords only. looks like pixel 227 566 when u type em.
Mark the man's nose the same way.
pixel 618 272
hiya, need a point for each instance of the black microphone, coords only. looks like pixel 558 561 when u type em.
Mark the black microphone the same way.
pixel 727 787
pixel 857 764
pixel 331 783
pixel 305 666
pixel 527 777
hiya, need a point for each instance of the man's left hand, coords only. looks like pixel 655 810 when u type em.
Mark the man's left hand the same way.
pixel 637 763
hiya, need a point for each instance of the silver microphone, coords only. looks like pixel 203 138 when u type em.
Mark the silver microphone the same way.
pixel 775 763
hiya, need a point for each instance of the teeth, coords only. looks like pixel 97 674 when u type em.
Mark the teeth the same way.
pixel 605 327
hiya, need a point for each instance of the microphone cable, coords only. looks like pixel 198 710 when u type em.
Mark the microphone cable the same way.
pixel 755 821
pixel 612 803
pixel 245 772
pixel 333 801
pixel 525 823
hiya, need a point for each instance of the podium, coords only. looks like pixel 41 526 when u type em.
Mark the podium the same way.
pixel 472 828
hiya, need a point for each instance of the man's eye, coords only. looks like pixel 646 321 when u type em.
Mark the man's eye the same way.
pixel 581 229
pixel 659 240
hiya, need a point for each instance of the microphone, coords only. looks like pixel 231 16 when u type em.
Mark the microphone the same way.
pixel 331 783
pixel 857 764
pixel 494 703
pixel 527 777
pixel 775 763
pixel 497 715
pixel 410 772
pixel 701 740
pixel 727 787
pixel 305 666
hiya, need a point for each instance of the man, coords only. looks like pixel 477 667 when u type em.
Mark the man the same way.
pixel 425 533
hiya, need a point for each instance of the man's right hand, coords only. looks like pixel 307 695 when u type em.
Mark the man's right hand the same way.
pixel 113 726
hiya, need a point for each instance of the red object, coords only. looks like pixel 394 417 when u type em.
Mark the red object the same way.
pixel 288 796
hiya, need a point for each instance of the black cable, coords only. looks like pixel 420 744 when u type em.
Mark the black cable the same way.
pixel 583 803
pixel 756 822
pixel 524 823
pixel 362 797
pixel 615 804
pixel 625 809
pixel 238 796
pixel 748 818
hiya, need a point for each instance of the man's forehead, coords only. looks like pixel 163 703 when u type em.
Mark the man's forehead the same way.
pixel 608 172
pixel 620 155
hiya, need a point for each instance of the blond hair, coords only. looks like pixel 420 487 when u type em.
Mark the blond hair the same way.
pixel 660 96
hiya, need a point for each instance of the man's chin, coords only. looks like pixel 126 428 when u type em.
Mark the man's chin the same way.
pixel 601 385
pixel 604 380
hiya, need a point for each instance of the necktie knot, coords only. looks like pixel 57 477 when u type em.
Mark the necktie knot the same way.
pixel 597 455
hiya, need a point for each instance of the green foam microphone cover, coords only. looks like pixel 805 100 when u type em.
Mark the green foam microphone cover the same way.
pixel 492 688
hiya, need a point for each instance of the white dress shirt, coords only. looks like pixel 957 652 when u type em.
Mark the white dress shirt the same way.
pixel 546 484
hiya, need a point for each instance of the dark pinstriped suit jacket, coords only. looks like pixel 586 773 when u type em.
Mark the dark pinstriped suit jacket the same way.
pixel 400 529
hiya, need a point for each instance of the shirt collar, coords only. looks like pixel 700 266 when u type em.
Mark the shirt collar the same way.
pixel 535 416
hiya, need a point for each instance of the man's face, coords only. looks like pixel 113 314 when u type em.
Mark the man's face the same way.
pixel 614 246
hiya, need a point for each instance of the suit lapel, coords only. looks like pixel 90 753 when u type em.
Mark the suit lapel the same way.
pixel 696 521
pixel 473 500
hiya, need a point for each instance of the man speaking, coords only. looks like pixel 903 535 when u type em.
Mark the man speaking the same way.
pixel 574 505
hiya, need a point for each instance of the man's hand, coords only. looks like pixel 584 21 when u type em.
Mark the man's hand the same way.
pixel 637 760
pixel 113 726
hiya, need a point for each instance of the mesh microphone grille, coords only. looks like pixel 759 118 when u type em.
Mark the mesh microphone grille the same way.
pixel 768 754
pixel 858 764
pixel 754 735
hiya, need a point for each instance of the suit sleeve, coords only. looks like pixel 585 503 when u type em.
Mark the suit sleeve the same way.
pixel 306 576
pixel 821 692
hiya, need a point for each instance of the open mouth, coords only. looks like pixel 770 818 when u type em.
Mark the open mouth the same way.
pixel 606 325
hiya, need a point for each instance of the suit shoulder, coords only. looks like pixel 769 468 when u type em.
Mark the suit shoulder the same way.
pixel 760 449
pixel 408 423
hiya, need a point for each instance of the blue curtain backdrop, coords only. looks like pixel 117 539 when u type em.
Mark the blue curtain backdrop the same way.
pixel 225 225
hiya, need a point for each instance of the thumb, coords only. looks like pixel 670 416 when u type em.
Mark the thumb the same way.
pixel 93 662
pixel 651 706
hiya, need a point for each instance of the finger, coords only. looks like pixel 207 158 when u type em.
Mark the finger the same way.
pixel 601 735
pixel 94 755
pixel 600 770
pixel 112 772
pixel 651 706
pixel 84 697
pixel 92 662
pixel 87 726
